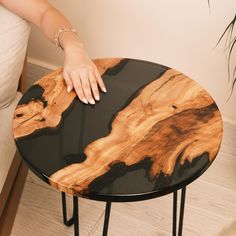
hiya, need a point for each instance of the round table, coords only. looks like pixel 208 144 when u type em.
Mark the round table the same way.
pixel 154 132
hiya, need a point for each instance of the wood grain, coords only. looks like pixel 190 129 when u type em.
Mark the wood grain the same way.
pixel 34 116
pixel 171 117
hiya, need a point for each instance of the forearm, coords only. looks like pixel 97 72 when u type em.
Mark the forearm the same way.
pixel 51 21
pixel 45 17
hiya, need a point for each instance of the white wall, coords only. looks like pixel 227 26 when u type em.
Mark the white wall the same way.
pixel 181 34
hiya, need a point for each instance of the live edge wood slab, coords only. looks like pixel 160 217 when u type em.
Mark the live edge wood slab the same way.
pixel 165 132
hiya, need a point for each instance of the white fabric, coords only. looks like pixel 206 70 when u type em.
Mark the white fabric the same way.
pixel 14 34
pixel 7 145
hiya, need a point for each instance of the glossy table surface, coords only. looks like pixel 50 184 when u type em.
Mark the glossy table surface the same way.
pixel 154 131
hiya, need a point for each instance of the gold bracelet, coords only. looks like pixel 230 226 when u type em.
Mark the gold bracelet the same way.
pixel 59 32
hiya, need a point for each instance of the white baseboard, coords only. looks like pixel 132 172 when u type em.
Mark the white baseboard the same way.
pixel 229 121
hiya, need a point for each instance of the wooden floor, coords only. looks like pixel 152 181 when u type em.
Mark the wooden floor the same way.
pixel 210 206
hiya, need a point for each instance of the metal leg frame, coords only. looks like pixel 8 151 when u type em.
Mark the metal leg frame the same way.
pixel 75 218
pixel 106 218
pixel 181 214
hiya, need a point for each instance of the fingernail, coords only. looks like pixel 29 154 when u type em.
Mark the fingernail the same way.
pixel 104 90
pixel 68 89
pixel 97 97
pixel 92 101
pixel 85 101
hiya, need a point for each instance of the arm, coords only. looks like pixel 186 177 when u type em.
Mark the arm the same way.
pixel 79 71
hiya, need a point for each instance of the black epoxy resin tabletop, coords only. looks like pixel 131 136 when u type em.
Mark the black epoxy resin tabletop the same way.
pixel 154 131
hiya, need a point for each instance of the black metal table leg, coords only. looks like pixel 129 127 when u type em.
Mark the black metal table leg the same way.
pixel 64 210
pixel 174 213
pixel 76 215
pixel 106 218
pixel 75 218
pixel 181 215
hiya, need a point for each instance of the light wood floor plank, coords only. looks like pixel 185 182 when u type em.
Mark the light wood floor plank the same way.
pixel 126 225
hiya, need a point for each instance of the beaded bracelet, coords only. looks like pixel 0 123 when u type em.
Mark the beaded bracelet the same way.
pixel 59 32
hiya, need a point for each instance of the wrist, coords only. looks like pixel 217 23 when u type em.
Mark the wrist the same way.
pixel 70 41
pixel 67 37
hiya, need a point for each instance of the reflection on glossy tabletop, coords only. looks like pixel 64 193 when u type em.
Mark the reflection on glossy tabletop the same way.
pixel 155 131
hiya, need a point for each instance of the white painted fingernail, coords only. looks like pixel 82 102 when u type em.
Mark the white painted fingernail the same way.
pixel 97 97
pixel 104 90
pixel 85 101
pixel 92 101
pixel 68 89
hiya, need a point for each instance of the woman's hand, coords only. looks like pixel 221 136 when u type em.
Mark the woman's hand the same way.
pixel 81 74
